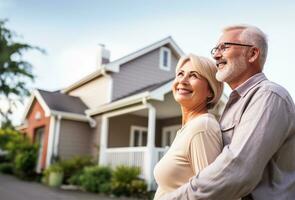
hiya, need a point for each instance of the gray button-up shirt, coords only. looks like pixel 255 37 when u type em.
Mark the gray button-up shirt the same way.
pixel 258 127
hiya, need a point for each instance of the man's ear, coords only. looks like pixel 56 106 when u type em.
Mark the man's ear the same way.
pixel 253 54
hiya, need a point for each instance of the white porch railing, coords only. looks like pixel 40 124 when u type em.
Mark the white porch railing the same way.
pixel 132 156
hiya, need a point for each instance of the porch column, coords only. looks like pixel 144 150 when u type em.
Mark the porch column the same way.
pixel 149 165
pixel 103 141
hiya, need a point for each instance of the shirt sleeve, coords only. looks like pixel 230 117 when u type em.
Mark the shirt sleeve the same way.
pixel 238 169
pixel 203 149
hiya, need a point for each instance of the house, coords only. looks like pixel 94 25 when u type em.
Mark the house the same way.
pixel 123 113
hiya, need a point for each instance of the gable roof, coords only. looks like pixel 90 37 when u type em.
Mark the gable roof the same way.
pixel 62 102
pixel 114 66
pixel 57 103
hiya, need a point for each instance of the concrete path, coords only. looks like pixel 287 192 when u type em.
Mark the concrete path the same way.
pixel 11 188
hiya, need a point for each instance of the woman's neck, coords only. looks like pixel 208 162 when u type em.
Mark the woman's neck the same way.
pixel 190 113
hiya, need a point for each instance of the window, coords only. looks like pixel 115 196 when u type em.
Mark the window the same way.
pixel 168 134
pixel 165 58
pixel 138 137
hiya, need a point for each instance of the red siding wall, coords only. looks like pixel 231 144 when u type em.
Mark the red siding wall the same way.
pixel 34 123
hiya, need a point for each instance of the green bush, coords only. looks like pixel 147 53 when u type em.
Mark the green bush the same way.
pixel 75 178
pixel 138 188
pixel 74 166
pixel 96 179
pixel 25 163
pixel 126 182
pixel 6 168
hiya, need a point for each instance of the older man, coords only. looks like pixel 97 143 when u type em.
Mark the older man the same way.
pixel 258 126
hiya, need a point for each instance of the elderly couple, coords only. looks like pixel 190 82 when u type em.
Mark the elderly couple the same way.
pixel 250 153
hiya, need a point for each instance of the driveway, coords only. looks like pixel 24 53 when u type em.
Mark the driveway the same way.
pixel 11 188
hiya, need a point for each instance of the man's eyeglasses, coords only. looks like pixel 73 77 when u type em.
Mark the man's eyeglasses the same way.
pixel 223 46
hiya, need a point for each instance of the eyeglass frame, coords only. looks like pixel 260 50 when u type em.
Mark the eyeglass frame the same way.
pixel 217 48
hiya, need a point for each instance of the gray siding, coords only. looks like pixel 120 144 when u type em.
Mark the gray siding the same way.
pixel 74 139
pixel 141 72
pixel 119 129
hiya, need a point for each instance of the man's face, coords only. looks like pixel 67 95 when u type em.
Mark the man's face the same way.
pixel 231 61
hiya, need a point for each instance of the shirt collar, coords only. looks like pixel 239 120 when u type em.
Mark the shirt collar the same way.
pixel 245 87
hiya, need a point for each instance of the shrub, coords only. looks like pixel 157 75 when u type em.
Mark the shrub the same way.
pixel 126 181
pixel 6 168
pixel 75 178
pixel 25 162
pixel 96 179
pixel 74 166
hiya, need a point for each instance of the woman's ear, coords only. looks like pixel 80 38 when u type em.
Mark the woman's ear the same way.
pixel 254 54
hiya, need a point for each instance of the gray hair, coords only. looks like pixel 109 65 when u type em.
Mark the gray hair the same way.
pixel 254 36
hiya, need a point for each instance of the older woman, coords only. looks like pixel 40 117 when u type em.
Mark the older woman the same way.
pixel 199 141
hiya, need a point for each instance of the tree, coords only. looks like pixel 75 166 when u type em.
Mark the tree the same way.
pixel 14 71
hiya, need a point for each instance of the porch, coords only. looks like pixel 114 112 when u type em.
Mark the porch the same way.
pixel 139 135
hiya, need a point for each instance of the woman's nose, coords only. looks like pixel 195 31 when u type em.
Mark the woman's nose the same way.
pixel 183 79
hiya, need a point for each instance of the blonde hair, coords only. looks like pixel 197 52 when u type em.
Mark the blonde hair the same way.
pixel 207 69
pixel 254 36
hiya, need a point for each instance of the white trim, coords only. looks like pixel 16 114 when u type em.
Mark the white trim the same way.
pixel 173 130
pixel 103 140
pixel 141 129
pixel 71 116
pixel 161 59
pixel 57 135
pixel 104 129
pixel 117 104
pixel 36 94
pixel 124 111
pixel 50 145
pixel 150 152
pixel 126 149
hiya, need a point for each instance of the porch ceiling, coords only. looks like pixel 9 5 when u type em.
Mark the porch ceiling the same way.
pixel 164 109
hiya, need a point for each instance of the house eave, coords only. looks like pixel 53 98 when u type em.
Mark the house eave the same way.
pixel 117 104
pixel 69 116
pixel 157 94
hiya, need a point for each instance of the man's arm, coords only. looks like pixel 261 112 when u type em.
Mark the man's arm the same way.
pixel 238 169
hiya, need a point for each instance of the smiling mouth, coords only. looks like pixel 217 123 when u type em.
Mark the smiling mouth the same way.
pixel 220 64
pixel 183 91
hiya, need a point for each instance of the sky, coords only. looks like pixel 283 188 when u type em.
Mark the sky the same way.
pixel 70 31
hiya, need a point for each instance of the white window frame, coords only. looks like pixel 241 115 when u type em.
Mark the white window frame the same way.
pixel 161 62
pixel 173 129
pixel 141 129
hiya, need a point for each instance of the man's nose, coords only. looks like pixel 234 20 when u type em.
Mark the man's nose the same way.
pixel 217 55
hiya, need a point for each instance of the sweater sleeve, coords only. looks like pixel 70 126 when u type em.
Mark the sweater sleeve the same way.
pixel 203 148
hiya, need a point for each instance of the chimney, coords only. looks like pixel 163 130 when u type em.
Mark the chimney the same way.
pixel 103 55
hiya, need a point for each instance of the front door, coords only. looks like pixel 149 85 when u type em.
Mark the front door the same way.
pixel 39 139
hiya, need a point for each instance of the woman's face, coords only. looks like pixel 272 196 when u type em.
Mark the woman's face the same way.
pixel 189 88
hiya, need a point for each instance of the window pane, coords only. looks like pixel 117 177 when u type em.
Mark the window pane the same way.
pixel 167 142
pixel 144 138
pixel 165 58
pixel 136 138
